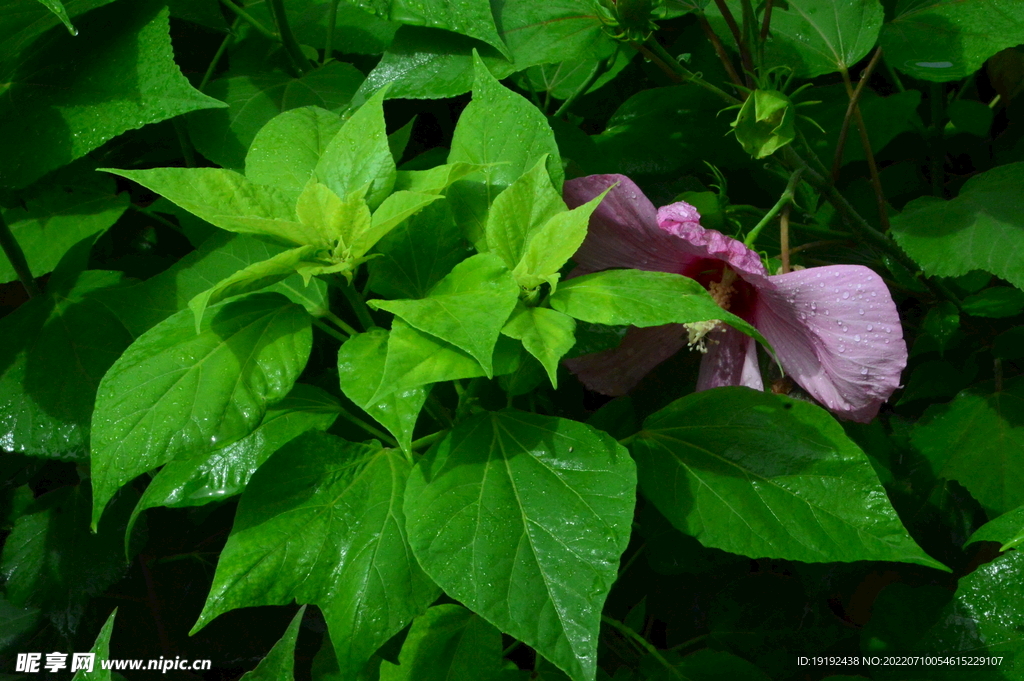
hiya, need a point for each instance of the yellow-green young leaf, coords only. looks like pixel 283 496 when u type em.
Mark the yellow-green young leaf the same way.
pixel 504 132
pixel 252 278
pixel 279 664
pixel 552 245
pixel 392 212
pixel 447 643
pixel 523 519
pixel 286 150
pixel 361 364
pixel 322 522
pixel 101 650
pixel 359 155
pixel 467 308
pixel 764 475
pixel 519 211
pixel 435 180
pixel 228 200
pixel 329 216
pixel 177 394
pixel 546 334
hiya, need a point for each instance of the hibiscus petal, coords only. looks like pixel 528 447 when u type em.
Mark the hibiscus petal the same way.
pixel 837 334
pixel 710 243
pixel 623 229
pixel 617 371
pixel 731 359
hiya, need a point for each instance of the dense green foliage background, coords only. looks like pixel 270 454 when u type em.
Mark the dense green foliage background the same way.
pixel 283 309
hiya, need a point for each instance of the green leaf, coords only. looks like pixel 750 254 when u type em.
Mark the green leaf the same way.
pixel 321 522
pixel 546 334
pixel 228 200
pixel 447 643
pixel 972 117
pixel 256 276
pixel 226 471
pixel 525 138
pixel 71 334
pixel 22 21
pixel 563 79
pixel 224 135
pixel 123 76
pixel 285 151
pixel 639 298
pixel 823 36
pixel 361 365
pixel 359 154
pixel 70 205
pixel 395 210
pixel 521 210
pixel 58 10
pixel 884 117
pixel 938 40
pixel 982 619
pixel 427 63
pixel 177 394
pixel 551 246
pixel 666 130
pixel 981 229
pixel 976 440
pixel 467 308
pixel 1007 529
pixel 522 518
pixel 767 476
pixel 998 301
pixel 279 664
pixel 434 180
pixel 941 323
pixel 332 218
pixel 101 651
pixel 416 358
pixel 418 253
pixel 472 18
pixel 51 560
pixel 355 30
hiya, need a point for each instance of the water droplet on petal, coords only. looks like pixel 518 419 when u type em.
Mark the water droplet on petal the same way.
pixel 870 328
pixel 860 311
pixel 842 348
pixel 864 371
pixel 846 294
pixel 856 339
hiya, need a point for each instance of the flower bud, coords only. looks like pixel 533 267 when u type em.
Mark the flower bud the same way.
pixel 766 123
pixel 630 20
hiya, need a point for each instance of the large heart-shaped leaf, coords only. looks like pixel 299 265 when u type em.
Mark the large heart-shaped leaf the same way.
pixel 768 476
pixel 321 522
pixel 522 518
pixel 175 393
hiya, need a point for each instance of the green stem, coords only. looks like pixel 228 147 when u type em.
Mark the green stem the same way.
pixel 653 49
pixel 784 200
pixel 184 142
pixel 340 323
pixel 627 440
pixel 218 54
pixel 643 643
pixel 863 228
pixel 332 18
pixel 358 305
pixel 153 215
pixel 376 432
pixel 599 70
pixel 629 563
pixel 291 45
pixel 428 440
pixel 328 330
pixel 507 651
pixel 897 81
pixel 438 410
pixel 16 256
pixel 937 156
pixel 245 16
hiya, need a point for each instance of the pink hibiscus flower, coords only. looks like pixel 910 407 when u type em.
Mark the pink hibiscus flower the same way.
pixel 835 329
